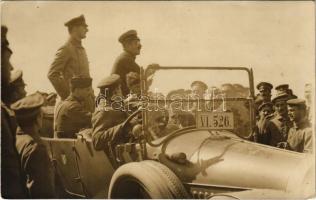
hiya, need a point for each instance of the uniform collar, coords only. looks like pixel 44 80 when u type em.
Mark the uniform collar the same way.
pixel 75 42
pixel 128 54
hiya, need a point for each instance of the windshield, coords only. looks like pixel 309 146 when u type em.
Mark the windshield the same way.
pixel 202 99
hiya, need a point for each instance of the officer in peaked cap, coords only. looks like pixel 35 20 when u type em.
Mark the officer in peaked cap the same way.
pixel 70 115
pixel 17 86
pixel 35 161
pixel 301 137
pixel 125 63
pixel 278 127
pixel 265 90
pixel 71 61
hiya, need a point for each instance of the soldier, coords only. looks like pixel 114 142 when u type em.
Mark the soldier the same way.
pixel 125 63
pixel 35 161
pixel 12 181
pixel 265 91
pixel 108 120
pixel 278 127
pixel 199 89
pixel 158 122
pixel 70 116
pixel 265 114
pixel 301 134
pixel 71 61
pixel 17 86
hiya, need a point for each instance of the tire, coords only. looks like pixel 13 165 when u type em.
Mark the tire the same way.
pixel 146 179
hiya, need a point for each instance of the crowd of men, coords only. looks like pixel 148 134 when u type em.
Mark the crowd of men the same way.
pixel 281 121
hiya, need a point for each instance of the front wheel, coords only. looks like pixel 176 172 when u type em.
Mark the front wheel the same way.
pixel 145 180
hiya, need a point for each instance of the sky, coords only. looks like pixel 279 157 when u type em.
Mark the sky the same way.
pixel 274 38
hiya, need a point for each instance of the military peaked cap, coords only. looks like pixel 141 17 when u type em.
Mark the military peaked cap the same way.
pixel 81 82
pixel 128 36
pixel 281 97
pixel 296 102
pixel 28 106
pixel 110 80
pixel 77 21
pixel 263 85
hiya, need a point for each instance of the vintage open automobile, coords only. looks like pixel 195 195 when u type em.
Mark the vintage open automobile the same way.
pixel 201 150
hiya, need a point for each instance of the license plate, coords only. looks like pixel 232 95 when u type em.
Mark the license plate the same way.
pixel 215 120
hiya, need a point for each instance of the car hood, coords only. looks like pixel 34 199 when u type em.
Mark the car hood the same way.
pixel 219 158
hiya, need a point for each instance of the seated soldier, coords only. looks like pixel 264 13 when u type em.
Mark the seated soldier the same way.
pixel 158 122
pixel 108 120
pixel 35 160
pixel 70 115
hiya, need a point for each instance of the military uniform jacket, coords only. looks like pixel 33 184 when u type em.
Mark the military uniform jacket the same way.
pixel 301 138
pixel 12 180
pixel 107 125
pixel 124 64
pixel 71 60
pixel 277 130
pixel 36 166
pixel 70 117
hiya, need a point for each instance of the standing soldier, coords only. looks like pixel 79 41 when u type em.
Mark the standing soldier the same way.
pixel 71 60
pixel 278 127
pixel 301 134
pixel 36 164
pixel 12 182
pixel 70 116
pixel 125 63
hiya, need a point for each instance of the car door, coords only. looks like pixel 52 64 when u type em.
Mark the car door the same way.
pixel 63 153
pixel 95 167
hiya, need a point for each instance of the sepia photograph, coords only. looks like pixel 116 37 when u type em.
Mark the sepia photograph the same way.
pixel 158 100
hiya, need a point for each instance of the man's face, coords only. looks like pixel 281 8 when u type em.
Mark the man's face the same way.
pixel 295 113
pixel 281 108
pixel 82 93
pixel 265 92
pixel 265 111
pixel 134 47
pixel 198 91
pixel 81 31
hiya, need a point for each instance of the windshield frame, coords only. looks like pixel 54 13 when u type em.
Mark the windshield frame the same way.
pixel 144 92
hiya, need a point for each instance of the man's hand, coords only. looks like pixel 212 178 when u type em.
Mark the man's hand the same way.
pixel 152 69
pixel 282 145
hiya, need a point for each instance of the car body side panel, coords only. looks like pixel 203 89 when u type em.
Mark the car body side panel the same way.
pixel 95 168
pixel 225 160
